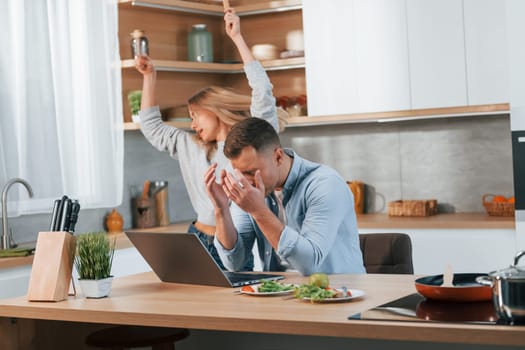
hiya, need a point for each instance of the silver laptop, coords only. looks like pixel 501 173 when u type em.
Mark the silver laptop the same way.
pixel 182 258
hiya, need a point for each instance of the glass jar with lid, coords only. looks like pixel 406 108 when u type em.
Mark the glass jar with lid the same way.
pixel 139 43
pixel 200 46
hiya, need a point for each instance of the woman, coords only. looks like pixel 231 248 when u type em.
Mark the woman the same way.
pixel 213 111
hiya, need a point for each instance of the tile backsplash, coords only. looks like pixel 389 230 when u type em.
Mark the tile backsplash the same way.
pixel 454 160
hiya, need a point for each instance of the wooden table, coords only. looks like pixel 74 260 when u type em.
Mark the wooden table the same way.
pixel 144 300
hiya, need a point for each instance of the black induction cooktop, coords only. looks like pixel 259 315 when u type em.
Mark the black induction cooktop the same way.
pixel 416 308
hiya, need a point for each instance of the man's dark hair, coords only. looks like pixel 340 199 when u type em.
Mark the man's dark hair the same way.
pixel 254 132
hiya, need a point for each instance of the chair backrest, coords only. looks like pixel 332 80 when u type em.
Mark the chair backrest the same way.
pixel 387 252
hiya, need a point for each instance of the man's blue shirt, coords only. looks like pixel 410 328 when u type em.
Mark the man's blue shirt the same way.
pixel 321 232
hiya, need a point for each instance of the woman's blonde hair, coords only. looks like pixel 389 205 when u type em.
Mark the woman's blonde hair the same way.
pixel 230 107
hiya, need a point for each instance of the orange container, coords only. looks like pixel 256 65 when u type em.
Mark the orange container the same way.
pixel 358 190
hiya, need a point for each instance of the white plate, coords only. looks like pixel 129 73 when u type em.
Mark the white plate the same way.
pixel 356 293
pixel 267 294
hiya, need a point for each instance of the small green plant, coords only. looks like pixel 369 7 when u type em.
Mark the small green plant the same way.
pixel 134 98
pixel 94 255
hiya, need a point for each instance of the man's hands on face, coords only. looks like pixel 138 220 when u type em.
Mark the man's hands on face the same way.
pixel 248 197
pixel 215 190
pixel 237 188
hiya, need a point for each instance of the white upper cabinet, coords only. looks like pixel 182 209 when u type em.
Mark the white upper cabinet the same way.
pixel 516 54
pixel 387 55
pixel 330 57
pixel 436 49
pixel 380 29
pixel 486 51
pixel 356 56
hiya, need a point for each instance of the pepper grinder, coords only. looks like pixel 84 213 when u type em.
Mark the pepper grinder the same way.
pixel 160 191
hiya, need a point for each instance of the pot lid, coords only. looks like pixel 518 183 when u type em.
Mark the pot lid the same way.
pixel 513 271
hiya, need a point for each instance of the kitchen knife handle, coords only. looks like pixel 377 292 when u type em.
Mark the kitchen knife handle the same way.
pixel 54 215
pixel 75 208
pixel 59 213
pixel 66 213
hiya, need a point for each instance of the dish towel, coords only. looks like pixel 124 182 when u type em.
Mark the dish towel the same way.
pixel 16 252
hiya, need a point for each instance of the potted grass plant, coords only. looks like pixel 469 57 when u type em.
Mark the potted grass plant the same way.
pixel 93 261
pixel 134 98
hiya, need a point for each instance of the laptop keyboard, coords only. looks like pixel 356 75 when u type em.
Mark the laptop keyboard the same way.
pixel 243 278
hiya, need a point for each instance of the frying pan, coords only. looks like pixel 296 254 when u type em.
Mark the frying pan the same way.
pixel 465 288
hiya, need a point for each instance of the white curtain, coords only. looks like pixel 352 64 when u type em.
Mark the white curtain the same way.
pixel 60 103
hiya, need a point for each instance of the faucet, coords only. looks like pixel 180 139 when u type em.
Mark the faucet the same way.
pixel 6 242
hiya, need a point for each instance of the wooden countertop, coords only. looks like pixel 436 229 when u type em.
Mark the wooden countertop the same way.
pixel 7 263
pixel 122 243
pixel 439 221
pixel 144 300
pixel 365 221
pixel 379 221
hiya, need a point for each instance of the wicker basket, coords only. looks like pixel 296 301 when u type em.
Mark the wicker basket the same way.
pixel 497 208
pixel 425 207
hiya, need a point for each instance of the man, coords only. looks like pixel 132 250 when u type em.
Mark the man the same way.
pixel 318 232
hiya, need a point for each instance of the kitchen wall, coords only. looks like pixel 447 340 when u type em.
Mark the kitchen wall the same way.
pixel 454 160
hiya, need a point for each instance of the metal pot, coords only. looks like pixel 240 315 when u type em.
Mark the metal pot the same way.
pixel 508 290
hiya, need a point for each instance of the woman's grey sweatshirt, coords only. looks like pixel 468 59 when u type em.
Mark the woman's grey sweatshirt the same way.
pixel 192 156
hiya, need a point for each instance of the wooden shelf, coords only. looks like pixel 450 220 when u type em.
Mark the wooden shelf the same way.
pixel 406 115
pixel 379 117
pixel 182 124
pixel 215 10
pixel 167 22
pixel 225 68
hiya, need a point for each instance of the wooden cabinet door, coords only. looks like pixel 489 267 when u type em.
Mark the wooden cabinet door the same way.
pixel 486 51
pixel 436 49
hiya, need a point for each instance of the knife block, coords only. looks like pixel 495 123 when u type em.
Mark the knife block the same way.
pixel 52 266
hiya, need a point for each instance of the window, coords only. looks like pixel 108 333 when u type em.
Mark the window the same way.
pixel 60 103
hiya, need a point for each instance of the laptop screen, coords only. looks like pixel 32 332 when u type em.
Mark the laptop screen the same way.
pixel 182 258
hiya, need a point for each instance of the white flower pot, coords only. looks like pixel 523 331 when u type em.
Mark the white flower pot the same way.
pixel 96 288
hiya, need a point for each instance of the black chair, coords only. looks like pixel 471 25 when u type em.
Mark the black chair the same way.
pixel 387 253
pixel 129 337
